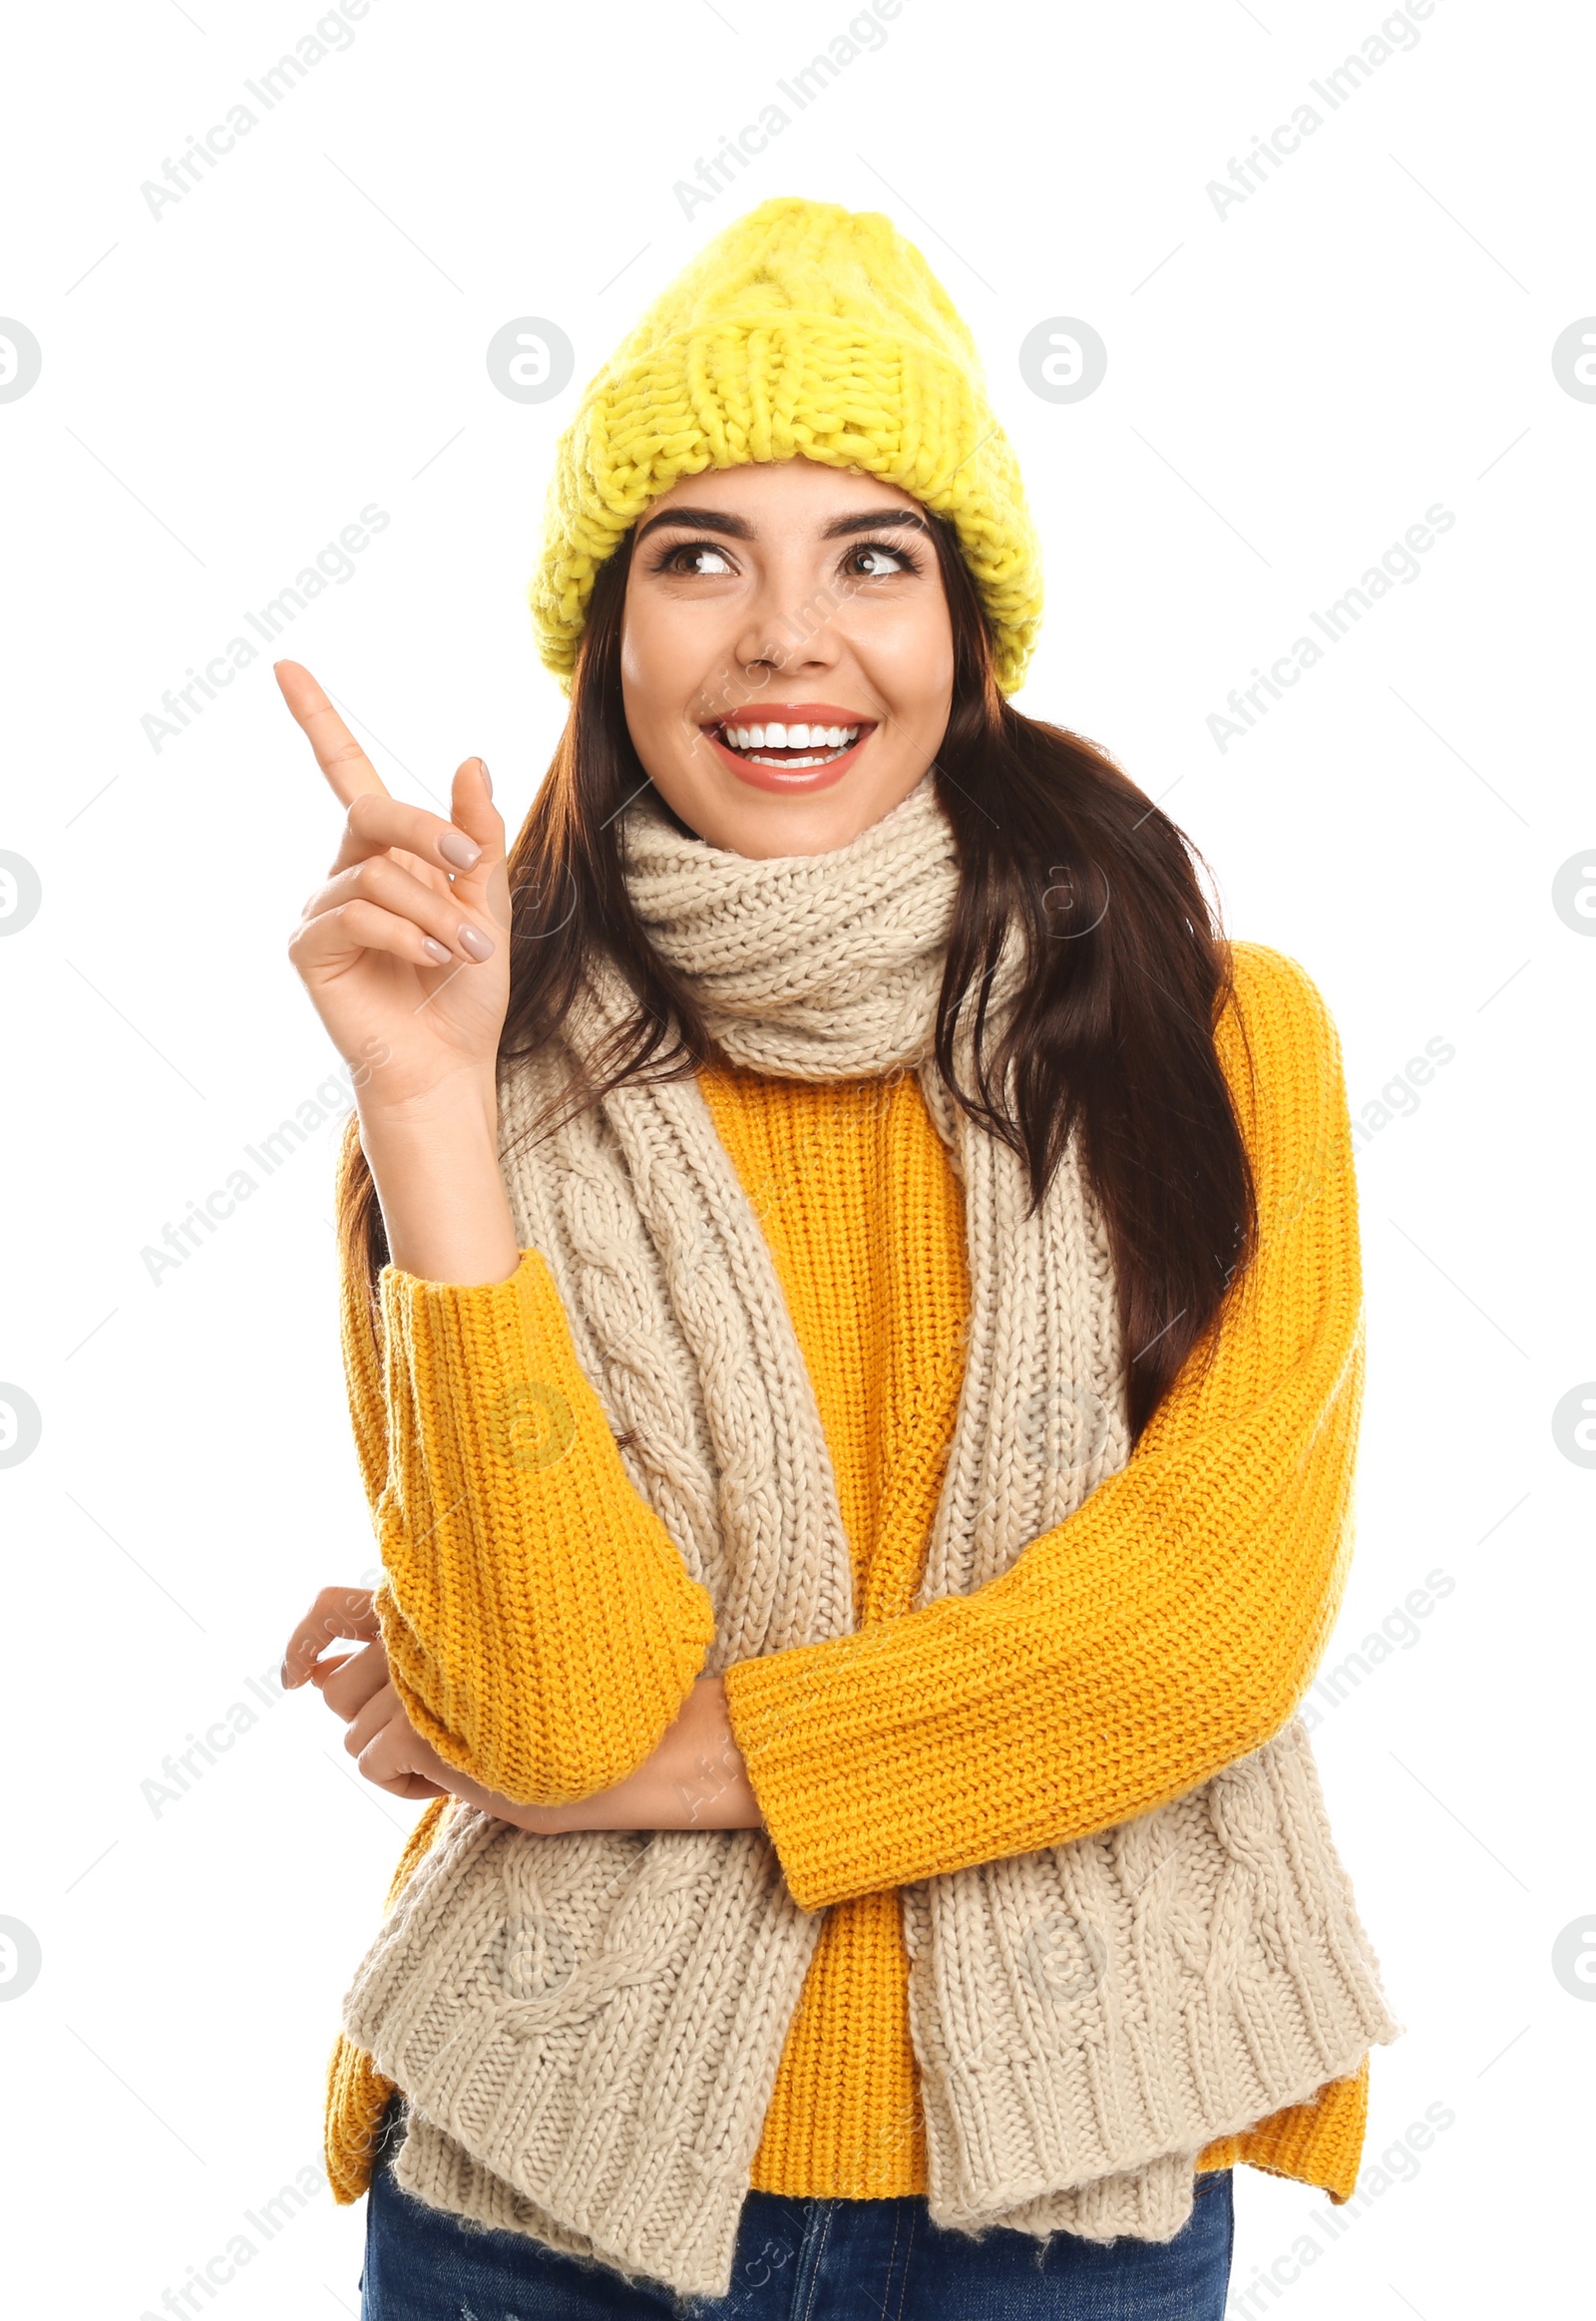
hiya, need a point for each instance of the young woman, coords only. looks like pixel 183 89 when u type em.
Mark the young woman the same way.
pixel 853 1332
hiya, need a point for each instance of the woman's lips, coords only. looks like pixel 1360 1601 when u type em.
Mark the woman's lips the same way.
pixel 766 773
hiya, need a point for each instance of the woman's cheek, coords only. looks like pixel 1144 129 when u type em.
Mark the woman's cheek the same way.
pixel 908 653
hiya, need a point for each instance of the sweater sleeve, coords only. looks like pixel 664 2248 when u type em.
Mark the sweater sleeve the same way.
pixel 362 1343
pixel 1168 1627
pixel 542 1629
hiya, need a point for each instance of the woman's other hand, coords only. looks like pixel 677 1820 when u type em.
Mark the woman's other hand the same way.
pixel 694 1779
pixel 381 1739
pixel 336 1612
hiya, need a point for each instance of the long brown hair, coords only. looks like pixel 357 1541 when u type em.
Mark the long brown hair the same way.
pixel 1126 975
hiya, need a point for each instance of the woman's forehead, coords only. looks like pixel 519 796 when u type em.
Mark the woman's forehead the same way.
pixel 771 486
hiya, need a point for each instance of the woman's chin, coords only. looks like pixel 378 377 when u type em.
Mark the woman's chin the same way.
pixel 762 818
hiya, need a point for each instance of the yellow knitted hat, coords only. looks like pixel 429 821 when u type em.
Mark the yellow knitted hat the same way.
pixel 803 328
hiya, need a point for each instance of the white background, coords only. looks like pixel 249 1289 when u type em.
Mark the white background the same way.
pixel 1290 386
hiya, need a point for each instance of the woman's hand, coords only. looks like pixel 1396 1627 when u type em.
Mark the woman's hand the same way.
pixel 694 1779
pixel 405 953
pixel 404 950
pixel 381 1738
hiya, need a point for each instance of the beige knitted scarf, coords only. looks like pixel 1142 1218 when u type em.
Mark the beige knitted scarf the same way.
pixel 586 2028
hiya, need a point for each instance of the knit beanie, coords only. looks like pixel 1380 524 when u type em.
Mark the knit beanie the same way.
pixel 802 328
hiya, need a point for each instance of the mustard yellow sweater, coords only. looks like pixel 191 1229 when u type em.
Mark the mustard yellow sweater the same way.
pixel 543 1631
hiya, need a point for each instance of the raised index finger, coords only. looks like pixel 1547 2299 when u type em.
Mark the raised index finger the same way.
pixel 339 755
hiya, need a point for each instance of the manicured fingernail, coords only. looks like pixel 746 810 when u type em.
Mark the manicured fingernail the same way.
pixel 435 950
pixel 457 848
pixel 475 944
pixel 486 778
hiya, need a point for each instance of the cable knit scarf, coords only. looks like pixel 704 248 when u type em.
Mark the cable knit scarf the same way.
pixel 587 2027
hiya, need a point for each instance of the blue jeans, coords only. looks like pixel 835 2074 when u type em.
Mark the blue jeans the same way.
pixel 804 2261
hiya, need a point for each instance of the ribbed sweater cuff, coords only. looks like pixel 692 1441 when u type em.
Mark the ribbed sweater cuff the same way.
pixel 838 1758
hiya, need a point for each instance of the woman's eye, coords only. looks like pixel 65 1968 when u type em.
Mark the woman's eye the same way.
pixel 699 557
pixel 873 563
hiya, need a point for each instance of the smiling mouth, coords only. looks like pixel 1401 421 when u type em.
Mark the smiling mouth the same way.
pixel 790 748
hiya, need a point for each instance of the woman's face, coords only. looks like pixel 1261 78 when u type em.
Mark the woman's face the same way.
pixel 787 656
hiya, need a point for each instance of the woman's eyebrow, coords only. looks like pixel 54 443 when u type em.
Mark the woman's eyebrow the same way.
pixel 701 519
pixel 738 526
pixel 875 520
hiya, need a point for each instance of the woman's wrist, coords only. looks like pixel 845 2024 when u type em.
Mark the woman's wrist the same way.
pixel 694 1779
pixel 436 1169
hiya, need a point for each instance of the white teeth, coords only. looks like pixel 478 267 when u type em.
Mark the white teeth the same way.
pixel 784 737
